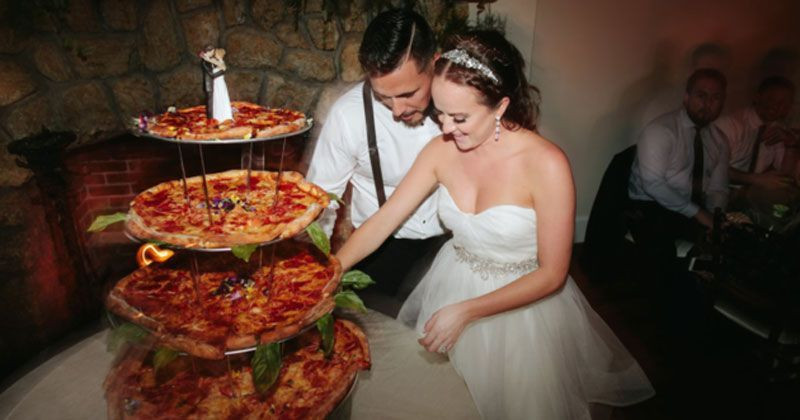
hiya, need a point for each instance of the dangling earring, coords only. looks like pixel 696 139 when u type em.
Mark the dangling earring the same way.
pixel 496 128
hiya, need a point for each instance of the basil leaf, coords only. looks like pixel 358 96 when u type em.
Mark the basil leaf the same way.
pixel 325 327
pixel 163 357
pixel 103 221
pixel 266 364
pixel 348 299
pixel 357 279
pixel 125 333
pixel 244 251
pixel 335 198
pixel 319 238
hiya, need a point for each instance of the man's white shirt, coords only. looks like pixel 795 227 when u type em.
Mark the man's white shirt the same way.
pixel 341 155
pixel 662 169
pixel 741 129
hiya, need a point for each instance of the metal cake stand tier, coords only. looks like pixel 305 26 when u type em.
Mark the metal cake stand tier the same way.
pixel 114 321
pixel 139 133
pixel 206 198
pixel 137 239
pixel 290 337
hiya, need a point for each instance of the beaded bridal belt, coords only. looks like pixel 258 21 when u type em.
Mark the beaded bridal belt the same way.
pixel 486 267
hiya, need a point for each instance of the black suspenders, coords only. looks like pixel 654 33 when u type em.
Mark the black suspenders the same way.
pixel 374 158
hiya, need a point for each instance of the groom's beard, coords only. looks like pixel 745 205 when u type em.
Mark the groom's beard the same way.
pixel 417 118
pixel 412 119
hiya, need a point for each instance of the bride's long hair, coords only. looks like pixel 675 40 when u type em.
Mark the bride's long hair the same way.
pixel 505 62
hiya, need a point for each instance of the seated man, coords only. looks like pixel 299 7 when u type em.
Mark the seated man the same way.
pixel 680 172
pixel 397 54
pixel 758 136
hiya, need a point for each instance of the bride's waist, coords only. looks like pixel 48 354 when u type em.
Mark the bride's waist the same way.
pixel 490 266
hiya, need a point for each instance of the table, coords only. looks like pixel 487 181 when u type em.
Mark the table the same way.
pixel 755 268
pixel 751 276
pixel 405 381
pixel 760 205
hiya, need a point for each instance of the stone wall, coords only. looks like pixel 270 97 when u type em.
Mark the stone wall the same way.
pixel 92 66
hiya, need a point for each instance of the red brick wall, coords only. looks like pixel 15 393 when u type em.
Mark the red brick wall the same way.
pixel 104 179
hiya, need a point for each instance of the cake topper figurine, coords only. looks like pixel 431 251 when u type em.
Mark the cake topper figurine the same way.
pixel 218 104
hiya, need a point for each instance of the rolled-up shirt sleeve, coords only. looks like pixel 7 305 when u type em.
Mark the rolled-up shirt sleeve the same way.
pixel 332 165
pixel 653 153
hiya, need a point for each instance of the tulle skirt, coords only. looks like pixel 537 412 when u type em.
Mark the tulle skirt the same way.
pixel 546 360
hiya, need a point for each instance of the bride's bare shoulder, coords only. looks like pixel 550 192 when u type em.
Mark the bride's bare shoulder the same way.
pixel 537 146
pixel 435 152
pixel 542 154
pixel 438 146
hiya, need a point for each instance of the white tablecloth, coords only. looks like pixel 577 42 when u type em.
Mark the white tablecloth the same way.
pixel 405 382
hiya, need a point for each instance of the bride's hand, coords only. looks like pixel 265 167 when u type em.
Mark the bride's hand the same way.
pixel 444 327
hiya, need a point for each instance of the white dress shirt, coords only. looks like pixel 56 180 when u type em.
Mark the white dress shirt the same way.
pixel 741 129
pixel 662 168
pixel 341 154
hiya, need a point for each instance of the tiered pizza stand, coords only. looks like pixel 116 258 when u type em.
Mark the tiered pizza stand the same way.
pixel 201 144
pixel 250 145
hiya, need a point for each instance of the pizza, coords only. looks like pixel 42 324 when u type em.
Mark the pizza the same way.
pixel 238 216
pixel 309 385
pixel 221 303
pixel 267 122
pixel 249 121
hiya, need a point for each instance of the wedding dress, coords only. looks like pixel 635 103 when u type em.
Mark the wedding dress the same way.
pixel 545 360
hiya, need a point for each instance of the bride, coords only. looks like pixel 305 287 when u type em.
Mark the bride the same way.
pixel 497 298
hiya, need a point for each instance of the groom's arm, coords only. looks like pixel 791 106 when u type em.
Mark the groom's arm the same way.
pixel 332 164
pixel 415 187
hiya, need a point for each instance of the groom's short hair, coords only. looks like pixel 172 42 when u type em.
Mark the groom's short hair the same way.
pixel 391 37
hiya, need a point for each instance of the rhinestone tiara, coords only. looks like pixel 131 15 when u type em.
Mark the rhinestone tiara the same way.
pixel 461 58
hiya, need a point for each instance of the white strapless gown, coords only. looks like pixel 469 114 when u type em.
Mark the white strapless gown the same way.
pixel 546 360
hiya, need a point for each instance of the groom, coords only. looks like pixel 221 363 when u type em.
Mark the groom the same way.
pixel 397 55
